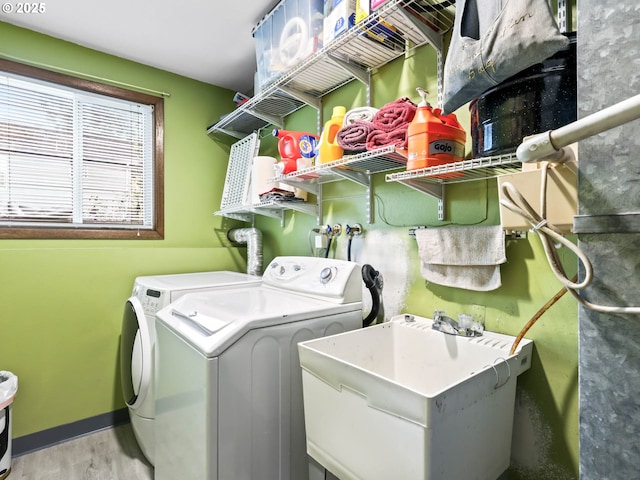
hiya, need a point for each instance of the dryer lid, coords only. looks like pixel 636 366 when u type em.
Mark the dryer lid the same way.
pixel 213 321
pixel 185 281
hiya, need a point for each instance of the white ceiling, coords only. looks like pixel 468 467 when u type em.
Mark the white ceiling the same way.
pixel 207 40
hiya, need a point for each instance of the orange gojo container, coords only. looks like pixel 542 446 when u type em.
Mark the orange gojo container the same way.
pixel 434 139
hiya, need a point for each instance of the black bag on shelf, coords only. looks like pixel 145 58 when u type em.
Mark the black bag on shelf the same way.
pixel 493 40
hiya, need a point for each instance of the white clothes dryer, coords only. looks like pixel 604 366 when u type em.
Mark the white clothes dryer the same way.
pixel 229 400
pixel 138 338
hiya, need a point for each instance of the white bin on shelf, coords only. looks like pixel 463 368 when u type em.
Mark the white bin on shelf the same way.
pixel 290 33
pixel 8 389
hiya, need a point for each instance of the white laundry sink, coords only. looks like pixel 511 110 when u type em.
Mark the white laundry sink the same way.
pixel 401 400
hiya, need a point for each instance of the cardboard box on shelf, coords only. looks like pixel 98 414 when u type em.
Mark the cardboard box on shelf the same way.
pixel 339 16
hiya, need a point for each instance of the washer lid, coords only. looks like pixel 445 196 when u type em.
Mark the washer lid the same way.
pixel 213 321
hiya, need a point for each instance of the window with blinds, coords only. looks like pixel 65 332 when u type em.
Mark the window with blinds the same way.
pixel 76 161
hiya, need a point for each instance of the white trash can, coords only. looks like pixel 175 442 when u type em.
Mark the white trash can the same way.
pixel 8 389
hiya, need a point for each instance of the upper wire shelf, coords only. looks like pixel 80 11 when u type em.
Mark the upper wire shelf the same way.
pixel 408 24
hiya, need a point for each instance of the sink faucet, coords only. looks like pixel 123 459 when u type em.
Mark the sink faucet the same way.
pixel 445 324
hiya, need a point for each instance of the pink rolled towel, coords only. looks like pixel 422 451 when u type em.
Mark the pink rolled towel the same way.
pixel 353 137
pixel 380 138
pixel 395 114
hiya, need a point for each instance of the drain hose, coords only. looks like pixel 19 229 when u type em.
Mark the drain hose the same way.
pixel 369 276
pixel 514 201
pixel 252 237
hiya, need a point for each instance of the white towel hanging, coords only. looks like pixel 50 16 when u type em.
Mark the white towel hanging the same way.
pixel 462 257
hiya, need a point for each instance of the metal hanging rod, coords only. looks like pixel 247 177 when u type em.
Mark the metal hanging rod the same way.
pixel 549 145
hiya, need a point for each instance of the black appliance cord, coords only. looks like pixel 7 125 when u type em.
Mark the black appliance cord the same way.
pixel 369 276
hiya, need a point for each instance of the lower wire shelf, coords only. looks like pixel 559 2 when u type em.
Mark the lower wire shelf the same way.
pixel 272 208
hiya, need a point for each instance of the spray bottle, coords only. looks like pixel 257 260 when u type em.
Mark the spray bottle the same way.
pixel 328 148
pixel 434 139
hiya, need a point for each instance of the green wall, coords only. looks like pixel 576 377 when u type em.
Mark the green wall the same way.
pixel 63 299
pixel 546 423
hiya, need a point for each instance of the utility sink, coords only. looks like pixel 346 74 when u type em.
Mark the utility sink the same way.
pixel 401 400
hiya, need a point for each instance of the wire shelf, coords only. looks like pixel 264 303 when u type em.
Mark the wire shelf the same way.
pixel 463 171
pixel 435 14
pixel 374 161
pixel 271 208
pixel 406 24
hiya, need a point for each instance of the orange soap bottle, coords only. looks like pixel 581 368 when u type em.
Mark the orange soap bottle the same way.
pixel 433 139
pixel 328 148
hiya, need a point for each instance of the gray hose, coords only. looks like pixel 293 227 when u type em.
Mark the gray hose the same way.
pixel 253 239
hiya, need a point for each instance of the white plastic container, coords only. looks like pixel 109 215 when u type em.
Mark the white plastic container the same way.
pixel 401 400
pixel 291 32
pixel 262 170
pixel 8 389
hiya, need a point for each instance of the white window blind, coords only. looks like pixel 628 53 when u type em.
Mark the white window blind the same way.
pixel 70 158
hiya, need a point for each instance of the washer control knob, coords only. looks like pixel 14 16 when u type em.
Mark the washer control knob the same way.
pixel 326 274
pixel 282 270
pixel 297 268
pixel 274 264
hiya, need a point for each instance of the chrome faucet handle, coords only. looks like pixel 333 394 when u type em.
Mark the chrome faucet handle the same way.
pixel 445 324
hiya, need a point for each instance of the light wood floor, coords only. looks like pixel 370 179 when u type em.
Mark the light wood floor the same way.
pixel 111 454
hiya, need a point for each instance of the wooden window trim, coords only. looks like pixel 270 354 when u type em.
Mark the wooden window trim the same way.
pixel 62 232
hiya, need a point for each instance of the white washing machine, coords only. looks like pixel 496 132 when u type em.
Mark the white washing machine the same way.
pixel 229 386
pixel 137 341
